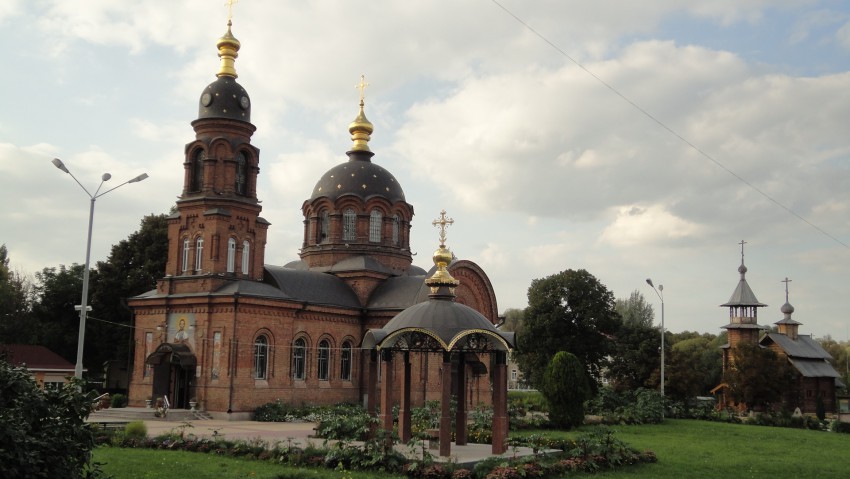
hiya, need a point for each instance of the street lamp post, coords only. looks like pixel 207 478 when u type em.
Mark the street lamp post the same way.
pixel 660 292
pixel 84 307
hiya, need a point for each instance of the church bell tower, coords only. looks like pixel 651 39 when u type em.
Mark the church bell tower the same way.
pixel 217 235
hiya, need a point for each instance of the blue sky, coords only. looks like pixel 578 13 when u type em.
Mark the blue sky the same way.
pixel 542 167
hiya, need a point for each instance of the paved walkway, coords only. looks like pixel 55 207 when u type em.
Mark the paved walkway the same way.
pixel 301 432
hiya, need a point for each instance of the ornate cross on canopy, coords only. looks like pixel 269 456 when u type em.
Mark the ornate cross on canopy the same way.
pixel 229 6
pixel 742 243
pixel 443 222
pixel 362 87
pixel 786 281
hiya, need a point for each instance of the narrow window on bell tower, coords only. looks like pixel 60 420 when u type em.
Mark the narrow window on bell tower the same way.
pixel 199 253
pixel 246 256
pixel 231 255
pixel 197 171
pixel 241 174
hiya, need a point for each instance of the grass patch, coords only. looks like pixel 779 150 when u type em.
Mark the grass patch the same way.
pixel 702 449
pixel 123 463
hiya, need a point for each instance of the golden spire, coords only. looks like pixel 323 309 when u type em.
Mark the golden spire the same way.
pixel 361 128
pixel 228 47
pixel 442 257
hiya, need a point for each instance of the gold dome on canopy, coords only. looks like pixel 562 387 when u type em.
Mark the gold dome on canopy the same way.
pixel 442 257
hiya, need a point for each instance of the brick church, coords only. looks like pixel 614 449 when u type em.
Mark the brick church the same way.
pixel 814 378
pixel 228 330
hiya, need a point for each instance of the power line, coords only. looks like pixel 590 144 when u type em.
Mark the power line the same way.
pixel 665 127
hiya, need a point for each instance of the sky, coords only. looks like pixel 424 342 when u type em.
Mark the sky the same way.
pixel 631 139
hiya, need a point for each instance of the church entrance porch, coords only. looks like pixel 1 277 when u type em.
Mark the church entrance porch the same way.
pixel 173 370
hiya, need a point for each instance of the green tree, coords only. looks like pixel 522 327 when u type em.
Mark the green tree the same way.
pixel 569 311
pixel 694 367
pixel 565 388
pixel 132 268
pixel 58 323
pixel 42 433
pixel 635 310
pixel 635 360
pixel 757 376
pixel 513 320
pixel 16 292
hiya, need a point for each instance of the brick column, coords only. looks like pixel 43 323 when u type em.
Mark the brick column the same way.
pixel 372 389
pixel 460 415
pixel 404 403
pixel 386 416
pixel 500 409
pixel 445 402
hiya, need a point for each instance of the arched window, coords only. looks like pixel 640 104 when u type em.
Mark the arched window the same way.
pixel 324 226
pixel 231 255
pixel 197 171
pixel 323 359
pixel 261 357
pixel 395 230
pixel 345 362
pixel 349 225
pixel 375 226
pixel 241 174
pixel 246 257
pixel 199 253
pixel 185 256
pixel 298 350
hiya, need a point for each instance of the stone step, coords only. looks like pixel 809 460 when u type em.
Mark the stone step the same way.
pixel 140 413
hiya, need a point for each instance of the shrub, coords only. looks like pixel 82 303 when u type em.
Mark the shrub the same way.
pixel 136 430
pixel 566 388
pixel 43 433
pixel 272 412
pixel 842 427
pixel 118 400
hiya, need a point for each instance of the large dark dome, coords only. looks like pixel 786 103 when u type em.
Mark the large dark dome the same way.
pixel 358 177
pixel 225 98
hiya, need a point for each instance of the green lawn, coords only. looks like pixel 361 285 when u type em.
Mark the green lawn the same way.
pixel 685 449
pixel 700 449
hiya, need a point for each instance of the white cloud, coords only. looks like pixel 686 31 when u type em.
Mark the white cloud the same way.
pixel 636 226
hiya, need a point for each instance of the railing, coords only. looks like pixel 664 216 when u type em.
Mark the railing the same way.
pixel 97 403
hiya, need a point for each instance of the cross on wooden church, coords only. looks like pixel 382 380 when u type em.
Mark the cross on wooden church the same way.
pixel 443 223
pixel 786 281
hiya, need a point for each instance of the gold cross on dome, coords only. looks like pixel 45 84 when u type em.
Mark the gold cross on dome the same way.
pixel 443 223
pixel 229 6
pixel 362 87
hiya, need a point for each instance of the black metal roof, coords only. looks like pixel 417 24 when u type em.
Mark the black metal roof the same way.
pixel 359 177
pixel 225 98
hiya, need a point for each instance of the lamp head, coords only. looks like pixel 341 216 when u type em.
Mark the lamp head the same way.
pixel 660 287
pixel 649 282
pixel 105 177
pixel 58 164
pixel 138 178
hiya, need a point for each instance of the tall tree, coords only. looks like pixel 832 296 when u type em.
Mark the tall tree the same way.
pixel 513 320
pixel 570 311
pixel 635 310
pixel 16 299
pixel 757 376
pixel 695 366
pixel 58 291
pixel 635 360
pixel 132 268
